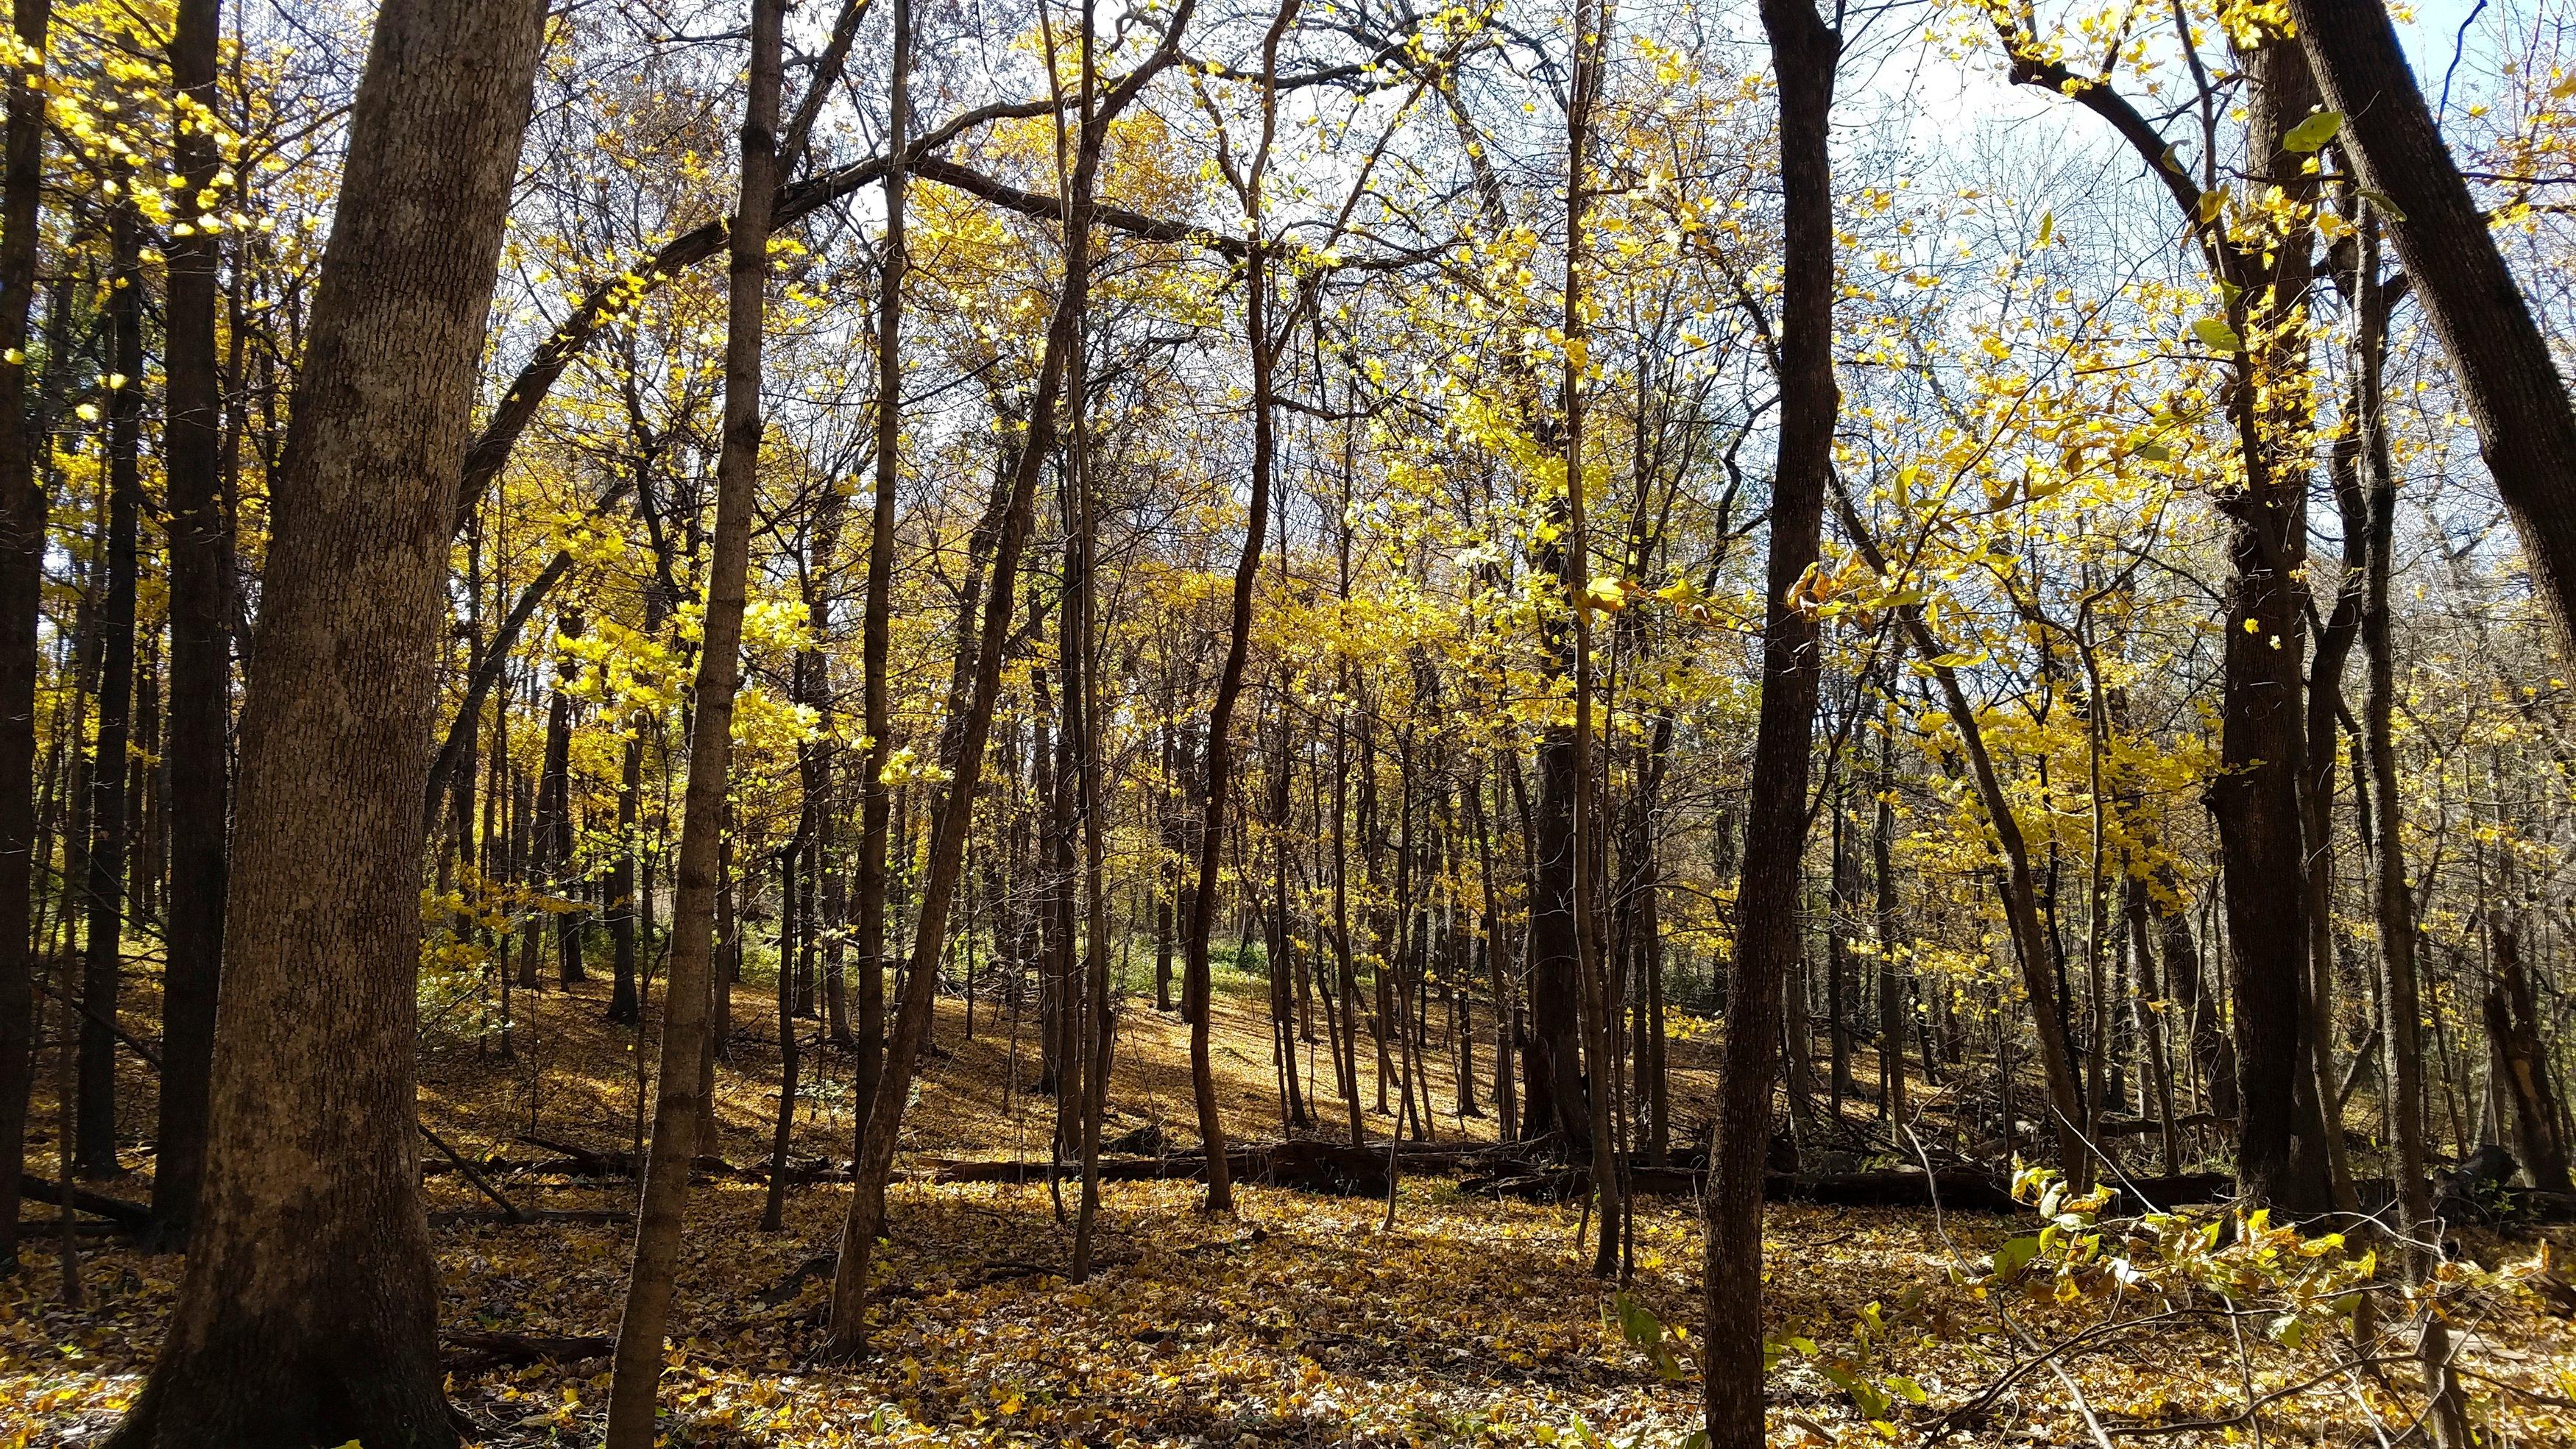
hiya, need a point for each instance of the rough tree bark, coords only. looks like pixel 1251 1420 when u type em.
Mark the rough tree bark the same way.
pixel 1804 53
pixel 312 1135
pixel 2280 1158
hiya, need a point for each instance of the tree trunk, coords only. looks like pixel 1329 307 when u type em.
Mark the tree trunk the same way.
pixel 982 643
pixel 1555 1100
pixel 23 507
pixel 1804 53
pixel 2256 800
pixel 554 817
pixel 660 1213
pixel 2505 369
pixel 2393 900
pixel 624 907
pixel 201 565
pixel 2513 1025
pixel 875 707
pixel 103 893
pixel 313 1137
pixel 1891 981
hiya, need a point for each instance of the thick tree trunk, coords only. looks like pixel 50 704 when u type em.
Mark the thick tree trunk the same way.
pixel 662 1210
pixel 313 1137
pixel 2503 363
pixel 201 565
pixel 1804 52
pixel 2256 800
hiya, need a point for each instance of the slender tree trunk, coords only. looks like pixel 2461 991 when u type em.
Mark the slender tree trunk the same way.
pixel 625 907
pixel 1082 711
pixel 201 565
pixel 632 1392
pixel 554 841
pixel 875 706
pixel 1592 970
pixel 1891 980
pixel 1497 969
pixel 975 686
pixel 1842 894
pixel 1229 684
pixel 782 1133
pixel 104 891
pixel 23 507
pixel 1804 54
pixel 2393 900
pixel 313 1137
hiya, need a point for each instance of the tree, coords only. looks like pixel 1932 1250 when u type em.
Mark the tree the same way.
pixel 22 547
pixel 2504 365
pixel 200 706
pixel 312 1132
pixel 1804 53
pixel 650 1282
pixel 975 685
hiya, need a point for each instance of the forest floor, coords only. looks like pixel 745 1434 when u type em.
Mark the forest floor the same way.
pixel 1303 1319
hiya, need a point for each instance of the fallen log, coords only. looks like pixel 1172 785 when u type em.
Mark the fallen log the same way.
pixel 487 1217
pixel 127 1215
pixel 571 1160
pixel 1307 1165
pixel 1953 1190
pixel 821 1265
pixel 481 1350
pixel 2150 1126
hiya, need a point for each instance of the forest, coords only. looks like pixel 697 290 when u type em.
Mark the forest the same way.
pixel 1675 724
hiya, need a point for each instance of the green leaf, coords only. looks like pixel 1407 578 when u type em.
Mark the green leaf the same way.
pixel 1638 1323
pixel 1912 1391
pixel 2387 208
pixel 2152 452
pixel 2015 1255
pixel 1698 1440
pixel 2312 133
pixel 2219 337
